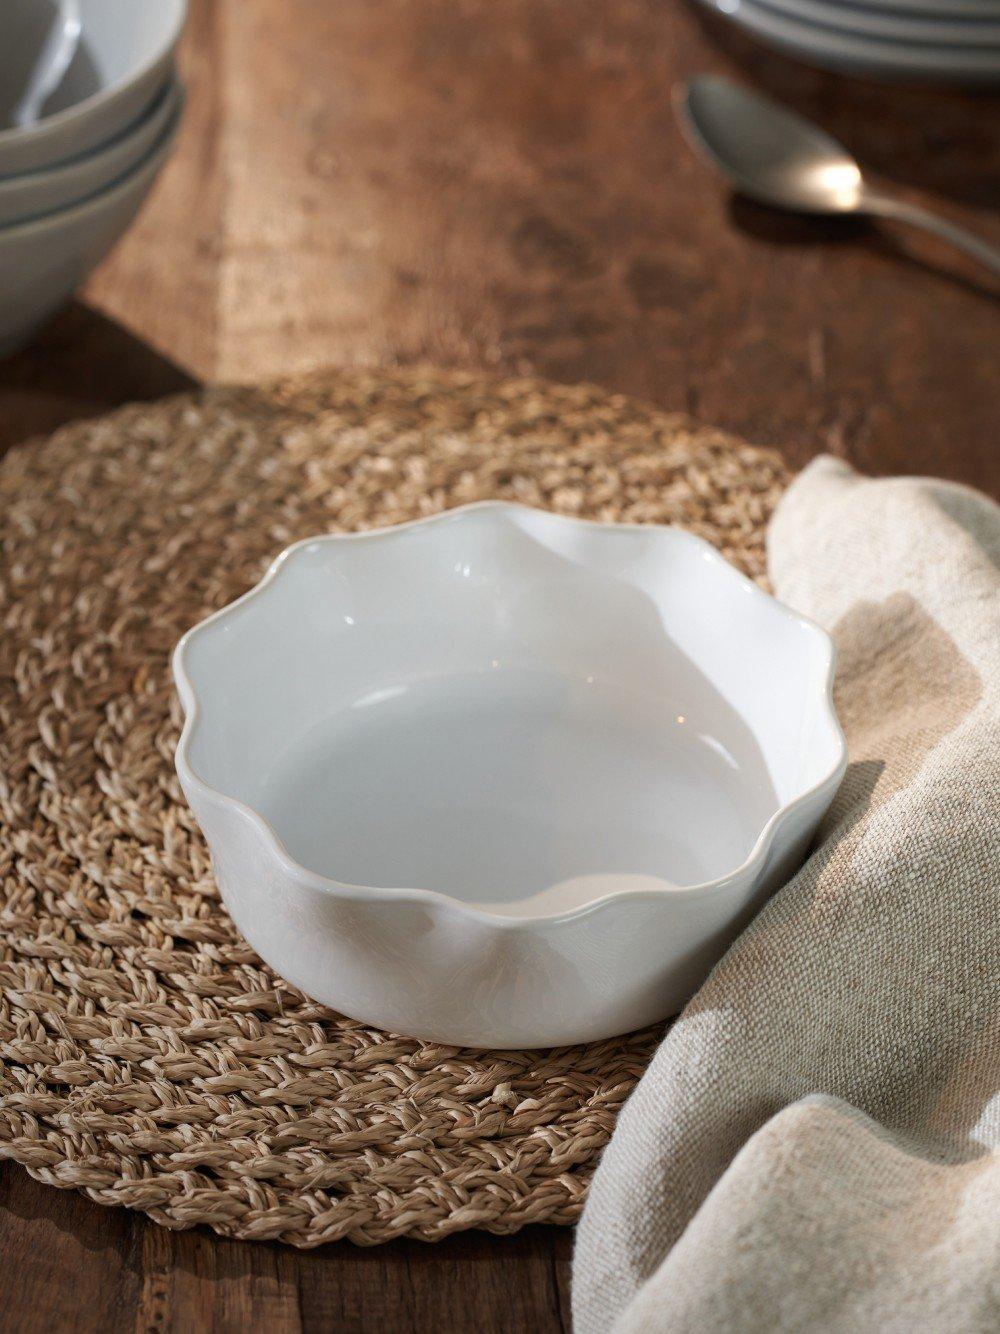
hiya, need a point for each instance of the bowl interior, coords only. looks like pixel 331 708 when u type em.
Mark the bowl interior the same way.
pixel 502 701
pixel 118 39
pixel 29 43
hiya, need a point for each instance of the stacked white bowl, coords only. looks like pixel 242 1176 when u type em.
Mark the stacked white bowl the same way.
pixel 89 106
pixel 943 41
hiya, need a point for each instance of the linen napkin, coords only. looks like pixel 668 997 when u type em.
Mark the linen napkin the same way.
pixel 816 1144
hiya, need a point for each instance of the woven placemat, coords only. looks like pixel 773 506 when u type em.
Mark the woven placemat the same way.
pixel 148 1057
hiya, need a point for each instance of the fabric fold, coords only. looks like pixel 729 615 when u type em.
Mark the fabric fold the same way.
pixel 816 1144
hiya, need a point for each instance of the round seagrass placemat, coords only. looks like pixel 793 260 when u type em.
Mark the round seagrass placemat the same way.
pixel 148 1057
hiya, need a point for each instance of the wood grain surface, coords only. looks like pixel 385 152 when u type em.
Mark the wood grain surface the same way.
pixel 503 183
pixel 494 183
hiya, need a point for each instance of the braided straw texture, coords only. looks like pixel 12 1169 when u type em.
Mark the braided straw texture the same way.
pixel 149 1058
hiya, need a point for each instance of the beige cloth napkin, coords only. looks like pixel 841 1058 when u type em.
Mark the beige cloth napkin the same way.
pixel 816 1145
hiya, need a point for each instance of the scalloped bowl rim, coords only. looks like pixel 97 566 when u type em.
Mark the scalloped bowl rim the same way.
pixel 752 863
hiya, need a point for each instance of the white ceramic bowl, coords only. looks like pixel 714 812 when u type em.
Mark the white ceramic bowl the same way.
pixel 44 260
pixel 124 58
pixel 501 778
pixel 845 44
pixel 40 39
pixel 35 192
pixel 892 24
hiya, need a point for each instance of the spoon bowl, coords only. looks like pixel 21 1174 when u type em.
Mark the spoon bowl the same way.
pixel 768 152
pixel 778 158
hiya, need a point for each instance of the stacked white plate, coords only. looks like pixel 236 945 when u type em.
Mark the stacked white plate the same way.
pixel 954 41
pixel 76 163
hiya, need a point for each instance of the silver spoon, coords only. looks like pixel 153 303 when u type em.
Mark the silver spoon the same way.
pixel 779 158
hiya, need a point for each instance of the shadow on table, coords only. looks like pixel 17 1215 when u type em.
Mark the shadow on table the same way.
pixel 80 365
pixel 778 227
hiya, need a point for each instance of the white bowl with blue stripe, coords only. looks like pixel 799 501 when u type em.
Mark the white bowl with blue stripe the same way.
pixel 43 260
pixel 31 194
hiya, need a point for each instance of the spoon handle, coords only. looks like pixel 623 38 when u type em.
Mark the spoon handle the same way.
pixel 884 206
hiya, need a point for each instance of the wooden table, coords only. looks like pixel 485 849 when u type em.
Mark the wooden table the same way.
pixel 498 183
